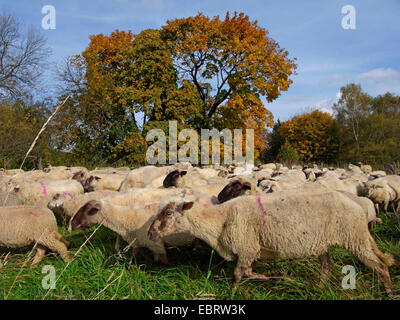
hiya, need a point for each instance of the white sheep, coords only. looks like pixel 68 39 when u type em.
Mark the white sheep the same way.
pixel 66 204
pixel 110 181
pixel 142 177
pixel 384 191
pixel 276 226
pixel 131 223
pixel 34 192
pixel 9 199
pixel 22 226
pixel 192 180
pixel 349 185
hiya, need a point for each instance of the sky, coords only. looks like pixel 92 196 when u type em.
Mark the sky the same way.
pixel 328 56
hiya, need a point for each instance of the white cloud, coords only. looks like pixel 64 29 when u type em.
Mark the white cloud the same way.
pixel 331 79
pixel 380 74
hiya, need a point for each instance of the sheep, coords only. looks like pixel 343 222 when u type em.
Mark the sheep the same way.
pixel 271 166
pixel 384 191
pixel 236 188
pixel 243 169
pixel 353 186
pixel 276 226
pixel 110 181
pixel 263 174
pixel 9 199
pixel 12 172
pixel 367 169
pixel 66 205
pixel 131 223
pixel 289 180
pixel 129 198
pixel 359 176
pixel 368 207
pixel 377 174
pixel 40 175
pixel 81 176
pixel 138 195
pixel 141 177
pixel 354 168
pixel 182 179
pixel 32 192
pixel 22 226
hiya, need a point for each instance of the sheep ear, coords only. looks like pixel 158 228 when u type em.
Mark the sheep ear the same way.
pixel 56 196
pixel 246 186
pixel 182 173
pixel 97 178
pixel 186 205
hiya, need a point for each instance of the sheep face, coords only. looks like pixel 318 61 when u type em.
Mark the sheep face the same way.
pixel 80 176
pixel 232 190
pixel 56 204
pixel 170 219
pixel 174 179
pixel 86 216
pixel 378 194
pixel 90 183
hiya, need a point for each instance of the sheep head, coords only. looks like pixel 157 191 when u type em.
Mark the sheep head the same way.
pixel 174 179
pixel 56 204
pixel 86 216
pixel 80 176
pixel 233 189
pixel 90 183
pixel 170 219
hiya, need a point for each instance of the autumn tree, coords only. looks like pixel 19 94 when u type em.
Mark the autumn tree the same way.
pixel 201 72
pixel 232 64
pixel 313 135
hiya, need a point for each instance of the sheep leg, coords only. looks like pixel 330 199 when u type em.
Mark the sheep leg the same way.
pixel 40 252
pixel 398 207
pixel 57 246
pixel 237 276
pixel 326 268
pixel 135 252
pixel 61 238
pixel 371 260
pixel 117 243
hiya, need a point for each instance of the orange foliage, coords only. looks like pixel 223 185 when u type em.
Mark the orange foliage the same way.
pixel 311 134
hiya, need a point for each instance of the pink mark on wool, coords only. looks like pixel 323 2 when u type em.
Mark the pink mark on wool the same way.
pixel 44 189
pixel 69 195
pixel 262 210
pixel 205 205
pixel 34 214
pixel 100 191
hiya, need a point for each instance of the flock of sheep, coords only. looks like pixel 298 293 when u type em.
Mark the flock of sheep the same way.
pixel 244 212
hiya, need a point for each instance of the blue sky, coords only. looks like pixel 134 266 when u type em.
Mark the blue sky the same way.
pixel 328 55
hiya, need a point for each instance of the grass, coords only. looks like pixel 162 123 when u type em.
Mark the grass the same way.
pixel 98 272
